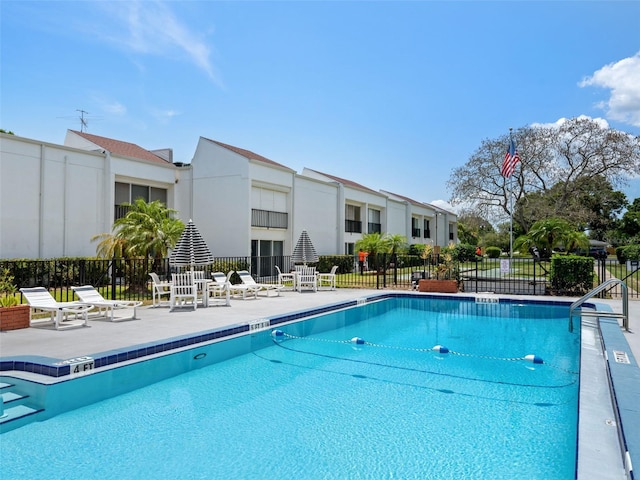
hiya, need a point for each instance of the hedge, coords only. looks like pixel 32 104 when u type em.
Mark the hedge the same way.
pixel 571 274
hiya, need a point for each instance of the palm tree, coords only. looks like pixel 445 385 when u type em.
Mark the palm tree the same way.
pixel 147 230
pixel 372 243
pixel 550 233
pixel 395 244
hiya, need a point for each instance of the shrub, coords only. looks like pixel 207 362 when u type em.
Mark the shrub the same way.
pixel 628 252
pixel 344 262
pixel 620 254
pixel 493 252
pixel 571 275
pixel 463 252
pixel 7 289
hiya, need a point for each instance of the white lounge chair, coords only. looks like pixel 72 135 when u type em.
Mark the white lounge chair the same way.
pixel 39 298
pixel 286 279
pixel 328 279
pixel 235 290
pixel 160 289
pixel 306 278
pixel 106 308
pixel 183 291
pixel 247 279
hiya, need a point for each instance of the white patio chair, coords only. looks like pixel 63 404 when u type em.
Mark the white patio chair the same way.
pixel 106 308
pixel 247 279
pixel 202 282
pixel 159 289
pixel 306 278
pixel 286 279
pixel 183 291
pixel 328 279
pixel 218 293
pixel 39 298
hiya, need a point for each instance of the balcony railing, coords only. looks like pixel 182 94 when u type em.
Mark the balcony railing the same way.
pixel 374 227
pixel 269 219
pixel 120 211
pixel 352 226
pixel 415 232
pixel 427 233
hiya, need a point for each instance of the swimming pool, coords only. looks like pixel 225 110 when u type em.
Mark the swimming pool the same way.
pixel 315 404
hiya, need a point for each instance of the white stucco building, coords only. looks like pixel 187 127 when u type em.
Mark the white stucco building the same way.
pixel 55 198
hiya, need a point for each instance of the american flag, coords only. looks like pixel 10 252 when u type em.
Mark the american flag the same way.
pixel 511 158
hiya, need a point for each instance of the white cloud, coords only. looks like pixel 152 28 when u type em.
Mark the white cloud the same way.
pixel 443 204
pixel 165 116
pixel 601 122
pixel 151 28
pixel 622 78
pixel 108 105
pixel 116 108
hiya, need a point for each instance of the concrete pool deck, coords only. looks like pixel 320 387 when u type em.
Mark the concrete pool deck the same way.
pixel 159 323
pixel 155 325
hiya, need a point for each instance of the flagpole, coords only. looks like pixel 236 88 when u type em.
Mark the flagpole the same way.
pixel 511 205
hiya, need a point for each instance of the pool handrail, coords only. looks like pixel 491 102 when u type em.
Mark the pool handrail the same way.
pixel 625 304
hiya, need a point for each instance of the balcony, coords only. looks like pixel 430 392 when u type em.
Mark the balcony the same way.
pixel 415 232
pixel 427 233
pixel 120 211
pixel 269 219
pixel 374 227
pixel 352 226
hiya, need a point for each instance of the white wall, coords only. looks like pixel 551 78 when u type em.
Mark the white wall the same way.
pixel 316 210
pixel 221 199
pixel 54 198
pixel 397 218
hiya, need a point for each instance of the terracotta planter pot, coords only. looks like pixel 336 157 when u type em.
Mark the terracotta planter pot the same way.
pixel 438 286
pixel 13 318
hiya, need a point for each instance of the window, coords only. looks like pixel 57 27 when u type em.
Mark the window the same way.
pixel 352 212
pixel 352 223
pixel 266 254
pixel 374 225
pixel 349 248
pixel 427 228
pixel 268 208
pixel 415 227
pixel 130 192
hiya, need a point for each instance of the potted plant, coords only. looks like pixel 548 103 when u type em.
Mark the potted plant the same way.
pixel 12 315
pixel 443 279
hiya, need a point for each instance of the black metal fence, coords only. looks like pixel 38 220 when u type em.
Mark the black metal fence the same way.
pixel 129 278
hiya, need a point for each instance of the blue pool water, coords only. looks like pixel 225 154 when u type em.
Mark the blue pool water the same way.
pixel 317 406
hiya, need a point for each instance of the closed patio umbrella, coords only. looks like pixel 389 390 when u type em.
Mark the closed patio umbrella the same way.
pixel 191 249
pixel 304 252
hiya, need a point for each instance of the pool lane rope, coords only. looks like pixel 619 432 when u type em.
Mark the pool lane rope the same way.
pixel 278 335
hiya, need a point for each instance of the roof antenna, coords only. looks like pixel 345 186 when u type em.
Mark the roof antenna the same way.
pixel 83 121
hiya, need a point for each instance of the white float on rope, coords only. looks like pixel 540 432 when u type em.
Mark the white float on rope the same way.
pixel 440 349
pixel 533 358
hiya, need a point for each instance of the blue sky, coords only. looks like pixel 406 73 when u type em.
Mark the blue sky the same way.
pixel 393 95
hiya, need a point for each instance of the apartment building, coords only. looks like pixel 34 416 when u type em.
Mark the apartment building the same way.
pixel 55 198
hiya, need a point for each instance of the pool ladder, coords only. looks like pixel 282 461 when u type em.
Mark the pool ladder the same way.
pixel 625 304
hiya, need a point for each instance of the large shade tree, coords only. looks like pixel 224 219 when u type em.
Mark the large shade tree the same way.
pixel 562 156
pixel 590 203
